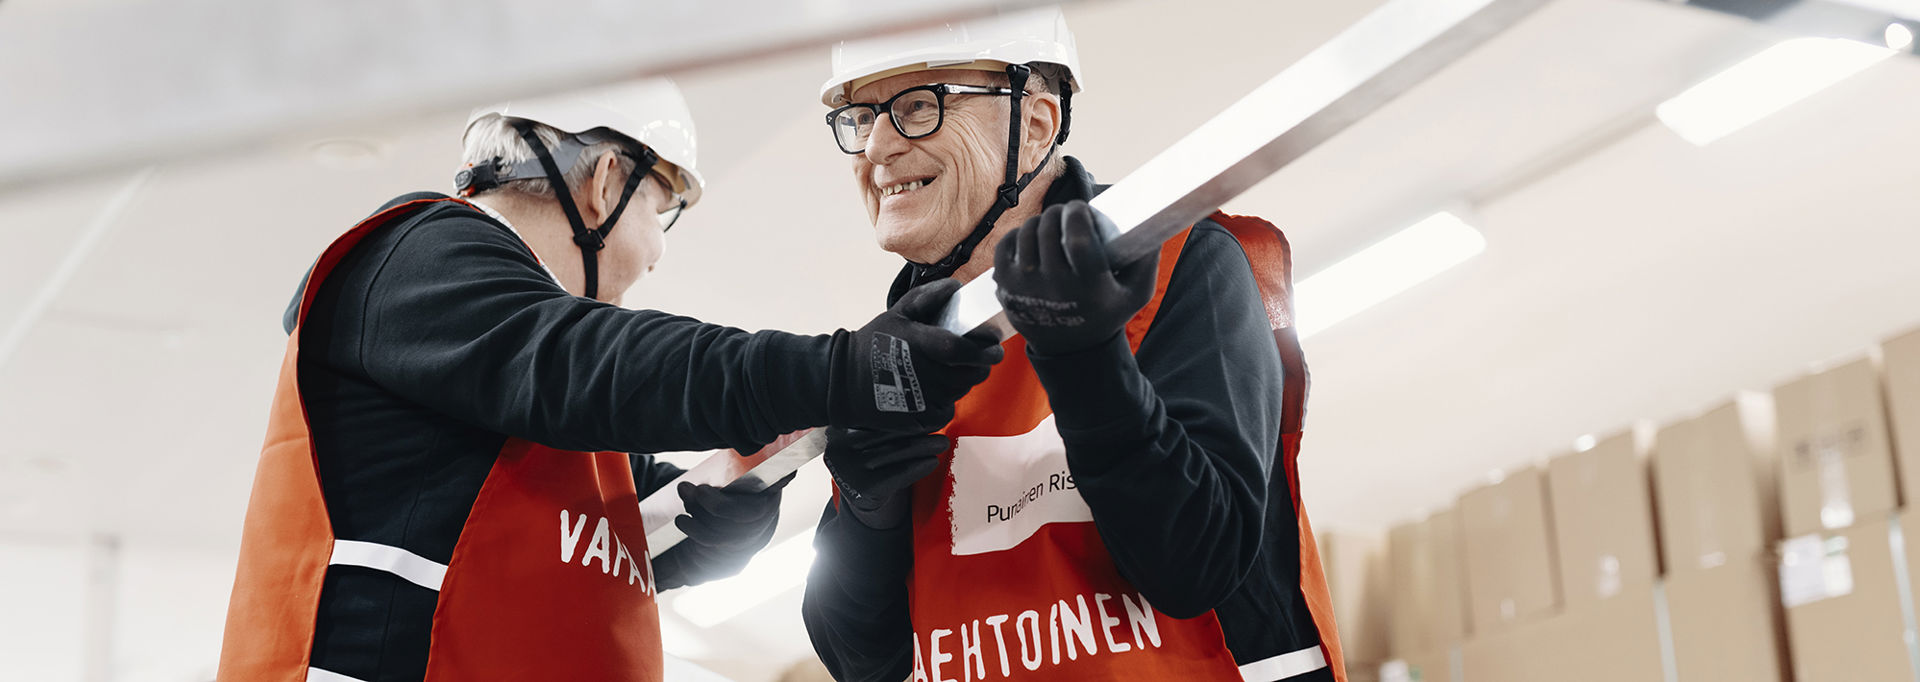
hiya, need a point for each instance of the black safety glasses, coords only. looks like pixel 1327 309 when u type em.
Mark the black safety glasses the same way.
pixel 916 112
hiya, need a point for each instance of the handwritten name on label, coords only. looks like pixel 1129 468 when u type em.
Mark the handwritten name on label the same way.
pixel 1006 487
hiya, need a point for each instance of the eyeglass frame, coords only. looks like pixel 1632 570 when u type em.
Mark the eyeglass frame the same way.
pixel 680 200
pixel 940 92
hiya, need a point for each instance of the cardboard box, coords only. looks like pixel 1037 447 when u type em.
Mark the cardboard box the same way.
pixel 1843 604
pixel 1726 622
pixel 1715 490
pixel 1602 521
pixel 1511 578
pixel 1409 580
pixel 1900 365
pixel 1836 463
pixel 1610 641
pixel 1428 592
pixel 1357 579
pixel 1516 655
pixel 1447 621
pixel 1426 666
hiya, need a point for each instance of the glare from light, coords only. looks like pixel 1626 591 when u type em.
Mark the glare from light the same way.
pixel 770 574
pixel 1383 270
pixel 1899 37
pixel 1763 84
pixel 1585 443
pixel 678 640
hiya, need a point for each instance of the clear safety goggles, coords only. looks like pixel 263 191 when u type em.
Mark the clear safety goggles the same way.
pixel 672 206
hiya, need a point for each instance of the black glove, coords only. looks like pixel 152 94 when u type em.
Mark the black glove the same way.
pixel 901 374
pixel 874 469
pixel 724 527
pixel 1057 286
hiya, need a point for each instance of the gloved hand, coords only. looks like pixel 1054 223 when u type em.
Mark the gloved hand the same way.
pixel 1057 286
pixel 874 470
pixel 901 374
pixel 724 527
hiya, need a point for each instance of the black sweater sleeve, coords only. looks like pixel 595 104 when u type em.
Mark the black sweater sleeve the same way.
pixel 461 318
pixel 855 607
pixel 1172 446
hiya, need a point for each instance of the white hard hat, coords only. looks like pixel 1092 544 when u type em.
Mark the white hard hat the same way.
pixel 649 111
pixel 988 44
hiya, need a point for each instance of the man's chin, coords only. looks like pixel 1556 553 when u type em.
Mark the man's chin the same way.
pixel 899 241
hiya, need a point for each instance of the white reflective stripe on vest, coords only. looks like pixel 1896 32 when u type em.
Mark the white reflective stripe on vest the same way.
pixel 1285 665
pixel 416 569
pixel 318 675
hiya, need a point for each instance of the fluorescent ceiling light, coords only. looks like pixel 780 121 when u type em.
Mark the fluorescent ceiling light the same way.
pixel 1763 84
pixel 771 573
pixel 1380 271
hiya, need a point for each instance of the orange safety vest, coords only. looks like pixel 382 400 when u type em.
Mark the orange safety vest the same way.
pixel 1040 581
pixel 510 607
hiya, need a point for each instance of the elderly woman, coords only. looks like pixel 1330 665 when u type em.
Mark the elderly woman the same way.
pixel 1118 500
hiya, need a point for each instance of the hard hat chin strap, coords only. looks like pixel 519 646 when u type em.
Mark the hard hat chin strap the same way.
pixel 1005 197
pixel 590 241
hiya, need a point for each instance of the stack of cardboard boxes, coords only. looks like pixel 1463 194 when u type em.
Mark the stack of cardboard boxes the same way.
pixel 1714 488
pixel 1428 619
pixel 1760 541
pixel 1590 540
pixel 1843 577
pixel 1358 581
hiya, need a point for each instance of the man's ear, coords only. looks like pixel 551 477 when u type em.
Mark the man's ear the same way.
pixel 1040 122
pixel 603 189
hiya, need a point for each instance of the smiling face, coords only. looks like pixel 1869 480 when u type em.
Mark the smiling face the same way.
pixel 925 195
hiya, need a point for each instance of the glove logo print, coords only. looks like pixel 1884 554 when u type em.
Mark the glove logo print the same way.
pixel 895 388
pixel 1041 312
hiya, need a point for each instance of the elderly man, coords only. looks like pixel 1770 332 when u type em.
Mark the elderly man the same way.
pixel 445 491
pixel 1118 500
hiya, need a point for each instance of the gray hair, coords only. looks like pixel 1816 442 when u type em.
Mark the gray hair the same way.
pixel 494 136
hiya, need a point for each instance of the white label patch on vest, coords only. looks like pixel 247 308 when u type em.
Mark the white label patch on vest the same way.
pixel 1006 487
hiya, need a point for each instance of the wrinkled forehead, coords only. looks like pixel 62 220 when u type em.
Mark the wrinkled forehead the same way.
pixel 878 91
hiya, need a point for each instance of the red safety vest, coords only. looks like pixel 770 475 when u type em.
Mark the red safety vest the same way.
pixel 511 607
pixel 1027 591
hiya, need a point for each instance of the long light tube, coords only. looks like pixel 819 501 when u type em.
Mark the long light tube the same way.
pixel 1381 271
pixel 1763 84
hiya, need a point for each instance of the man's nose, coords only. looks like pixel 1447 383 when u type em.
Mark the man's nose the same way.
pixel 885 144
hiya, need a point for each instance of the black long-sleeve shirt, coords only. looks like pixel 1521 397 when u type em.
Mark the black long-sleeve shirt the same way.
pixel 1173 449
pixel 437 338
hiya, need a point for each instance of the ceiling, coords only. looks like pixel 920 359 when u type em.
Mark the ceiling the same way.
pixel 1628 275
